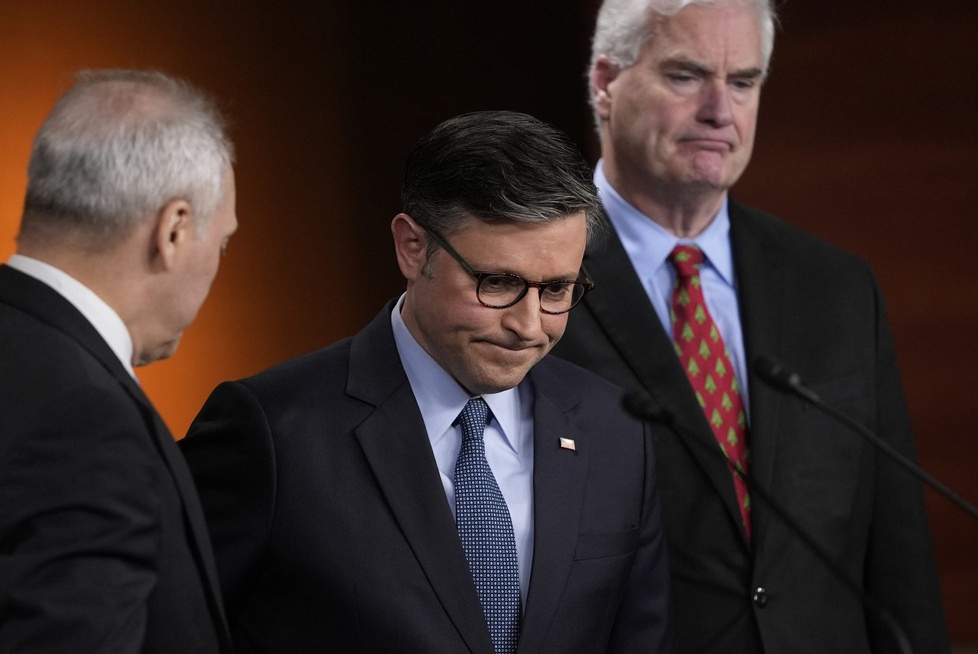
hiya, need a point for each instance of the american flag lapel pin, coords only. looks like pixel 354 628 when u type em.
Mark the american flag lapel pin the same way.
pixel 568 444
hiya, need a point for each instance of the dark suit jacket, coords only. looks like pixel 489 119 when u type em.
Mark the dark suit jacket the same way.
pixel 103 547
pixel 333 534
pixel 818 310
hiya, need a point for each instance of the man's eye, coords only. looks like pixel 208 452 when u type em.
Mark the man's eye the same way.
pixel 556 291
pixel 500 284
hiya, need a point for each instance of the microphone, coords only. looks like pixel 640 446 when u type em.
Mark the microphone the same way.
pixel 778 376
pixel 642 406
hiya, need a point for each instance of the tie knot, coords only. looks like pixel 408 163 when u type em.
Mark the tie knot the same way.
pixel 686 259
pixel 473 418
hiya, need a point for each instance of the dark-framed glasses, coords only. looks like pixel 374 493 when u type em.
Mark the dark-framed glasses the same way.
pixel 499 290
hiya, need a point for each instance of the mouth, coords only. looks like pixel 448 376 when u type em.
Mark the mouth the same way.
pixel 518 347
pixel 513 349
pixel 709 144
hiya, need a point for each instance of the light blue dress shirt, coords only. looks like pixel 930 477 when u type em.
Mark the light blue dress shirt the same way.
pixel 648 246
pixel 508 435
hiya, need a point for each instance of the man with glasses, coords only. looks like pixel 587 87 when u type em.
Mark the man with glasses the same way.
pixel 437 483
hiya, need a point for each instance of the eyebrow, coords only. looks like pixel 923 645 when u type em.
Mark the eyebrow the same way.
pixel 566 278
pixel 690 66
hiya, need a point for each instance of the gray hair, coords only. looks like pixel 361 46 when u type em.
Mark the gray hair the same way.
pixel 117 147
pixel 496 166
pixel 623 26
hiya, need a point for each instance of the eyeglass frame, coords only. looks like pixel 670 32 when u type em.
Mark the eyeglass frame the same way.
pixel 587 283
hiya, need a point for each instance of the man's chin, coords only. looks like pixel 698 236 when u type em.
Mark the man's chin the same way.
pixel 162 351
pixel 497 379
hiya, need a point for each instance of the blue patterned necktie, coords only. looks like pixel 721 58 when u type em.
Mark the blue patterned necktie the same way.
pixel 486 531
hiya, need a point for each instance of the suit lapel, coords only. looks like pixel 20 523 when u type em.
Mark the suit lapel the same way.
pixel 44 303
pixel 761 287
pixel 47 305
pixel 203 554
pixel 624 312
pixel 559 477
pixel 395 443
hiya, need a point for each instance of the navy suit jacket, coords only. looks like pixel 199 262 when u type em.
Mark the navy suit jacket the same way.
pixel 818 310
pixel 332 531
pixel 103 546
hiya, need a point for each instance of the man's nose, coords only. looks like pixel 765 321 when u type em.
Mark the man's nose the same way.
pixel 525 318
pixel 716 108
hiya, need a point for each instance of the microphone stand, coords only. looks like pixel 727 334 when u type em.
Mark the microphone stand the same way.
pixel 642 406
pixel 779 377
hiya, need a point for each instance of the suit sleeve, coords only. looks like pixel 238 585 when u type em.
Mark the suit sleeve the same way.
pixel 79 527
pixel 644 620
pixel 230 454
pixel 900 566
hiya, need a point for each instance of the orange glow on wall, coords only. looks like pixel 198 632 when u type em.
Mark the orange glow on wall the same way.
pixel 256 314
pixel 865 138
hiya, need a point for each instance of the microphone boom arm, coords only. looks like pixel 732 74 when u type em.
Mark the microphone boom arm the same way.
pixel 779 377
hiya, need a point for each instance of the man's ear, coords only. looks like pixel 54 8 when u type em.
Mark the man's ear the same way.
pixel 174 229
pixel 410 245
pixel 603 73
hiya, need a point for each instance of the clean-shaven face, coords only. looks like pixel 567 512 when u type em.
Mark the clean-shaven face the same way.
pixel 683 116
pixel 191 282
pixel 490 350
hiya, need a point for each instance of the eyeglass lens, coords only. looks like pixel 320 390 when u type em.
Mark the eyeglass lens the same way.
pixel 504 290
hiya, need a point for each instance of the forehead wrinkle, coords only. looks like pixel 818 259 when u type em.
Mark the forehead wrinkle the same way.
pixel 681 42
pixel 747 73
pixel 684 63
pixel 560 277
pixel 568 276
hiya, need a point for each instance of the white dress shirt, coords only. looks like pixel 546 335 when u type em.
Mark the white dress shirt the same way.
pixel 103 318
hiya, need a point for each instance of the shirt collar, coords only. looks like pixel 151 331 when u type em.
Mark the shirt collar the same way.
pixel 102 317
pixel 441 398
pixel 649 244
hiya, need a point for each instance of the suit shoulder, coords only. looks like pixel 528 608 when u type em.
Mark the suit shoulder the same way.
pixel 562 373
pixel 63 411
pixel 34 347
pixel 47 374
pixel 306 371
pixel 795 245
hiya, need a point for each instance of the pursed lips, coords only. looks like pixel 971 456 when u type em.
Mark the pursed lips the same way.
pixel 706 143
pixel 516 348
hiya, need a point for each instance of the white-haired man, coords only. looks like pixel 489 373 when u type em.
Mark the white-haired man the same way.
pixel 675 86
pixel 130 204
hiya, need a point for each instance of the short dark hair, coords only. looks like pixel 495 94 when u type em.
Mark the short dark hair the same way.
pixel 496 166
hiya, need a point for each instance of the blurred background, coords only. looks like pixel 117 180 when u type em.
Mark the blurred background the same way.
pixel 866 138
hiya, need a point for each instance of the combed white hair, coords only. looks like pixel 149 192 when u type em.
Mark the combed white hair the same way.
pixel 624 25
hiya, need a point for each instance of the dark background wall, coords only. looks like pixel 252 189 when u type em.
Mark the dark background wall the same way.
pixel 865 138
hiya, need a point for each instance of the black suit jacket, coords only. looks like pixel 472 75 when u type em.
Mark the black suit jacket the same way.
pixel 818 310
pixel 103 547
pixel 333 534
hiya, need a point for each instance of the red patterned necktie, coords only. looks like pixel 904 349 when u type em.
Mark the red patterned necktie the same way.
pixel 708 366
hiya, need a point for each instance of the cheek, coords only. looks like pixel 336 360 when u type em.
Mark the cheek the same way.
pixel 748 125
pixel 476 322
pixel 554 326
pixel 208 272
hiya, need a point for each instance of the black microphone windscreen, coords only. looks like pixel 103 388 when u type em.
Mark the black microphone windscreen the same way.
pixel 641 405
pixel 775 373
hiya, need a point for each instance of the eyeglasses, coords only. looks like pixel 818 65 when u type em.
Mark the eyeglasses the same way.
pixel 499 290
